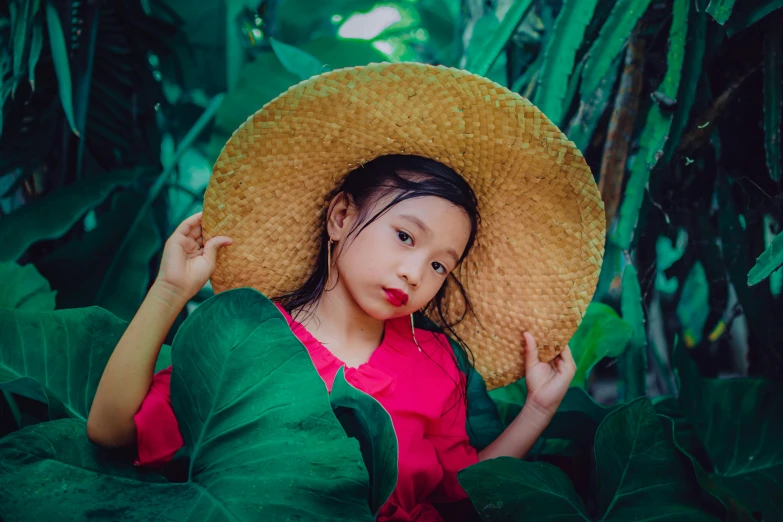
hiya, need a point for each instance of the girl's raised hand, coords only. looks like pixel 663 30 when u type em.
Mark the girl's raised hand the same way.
pixel 187 261
pixel 547 383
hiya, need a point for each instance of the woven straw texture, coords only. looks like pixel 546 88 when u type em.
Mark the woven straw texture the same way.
pixel 538 252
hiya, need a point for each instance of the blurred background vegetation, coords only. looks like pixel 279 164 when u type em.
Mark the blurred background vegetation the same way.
pixel 114 112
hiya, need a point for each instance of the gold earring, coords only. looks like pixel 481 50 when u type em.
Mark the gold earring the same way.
pixel 329 260
pixel 413 330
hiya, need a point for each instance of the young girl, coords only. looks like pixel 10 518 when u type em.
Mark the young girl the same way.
pixel 393 238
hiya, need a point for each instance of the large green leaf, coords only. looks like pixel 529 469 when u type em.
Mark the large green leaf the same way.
pixel 363 418
pixel 636 463
pixel 656 129
pixel 720 10
pixel 61 66
pixel 684 439
pixel 769 261
pixel 24 288
pixel 611 39
pixel 633 363
pixel 506 489
pixel 602 333
pixel 254 415
pixel 53 215
pixel 58 357
pixel 559 56
pixel 485 45
pixel 773 95
pixel 739 422
pixel 639 477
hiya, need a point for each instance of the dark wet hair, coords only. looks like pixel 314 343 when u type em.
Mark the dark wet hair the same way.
pixel 404 177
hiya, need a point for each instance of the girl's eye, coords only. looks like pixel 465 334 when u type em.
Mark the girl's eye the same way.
pixel 403 236
pixel 439 268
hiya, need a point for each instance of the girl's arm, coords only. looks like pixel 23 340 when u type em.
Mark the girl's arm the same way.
pixel 547 384
pixel 186 266
pixel 128 374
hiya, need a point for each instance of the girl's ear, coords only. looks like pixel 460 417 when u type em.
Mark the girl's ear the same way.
pixel 340 216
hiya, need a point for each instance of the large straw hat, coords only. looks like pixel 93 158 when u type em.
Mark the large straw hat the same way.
pixel 539 249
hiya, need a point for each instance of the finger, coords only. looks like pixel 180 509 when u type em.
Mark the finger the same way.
pixel 568 357
pixel 191 245
pixel 212 246
pixel 195 232
pixel 531 350
pixel 186 226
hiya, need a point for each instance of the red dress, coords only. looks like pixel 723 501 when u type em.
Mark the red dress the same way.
pixel 419 391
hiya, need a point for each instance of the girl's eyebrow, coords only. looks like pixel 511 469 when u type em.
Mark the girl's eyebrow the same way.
pixel 426 230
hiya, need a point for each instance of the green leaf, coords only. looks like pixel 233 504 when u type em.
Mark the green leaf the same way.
pixel 769 261
pixel 296 61
pixel 559 56
pixel 583 124
pixel 254 414
pixel 611 39
pixel 36 44
pixel 635 462
pixel 602 333
pixel 739 423
pixel 684 439
pixel 24 288
pixel 639 477
pixel 485 46
pixel 164 358
pixel 57 357
pixel 577 418
pixel 363 418
pixel 633 364
pixel 773 87
pixel 656 130
pixel 748 12
pixel 720 10
pixel 755 300
pixel 691 74
pixel 61 66
pixel 20 21
pixel 694 307
pixel 505 489
pixel 53 215
pixel 80 267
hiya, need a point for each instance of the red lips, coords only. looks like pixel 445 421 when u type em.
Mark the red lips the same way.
pixel 396 297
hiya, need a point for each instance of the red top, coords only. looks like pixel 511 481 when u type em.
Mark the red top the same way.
pixel 416 388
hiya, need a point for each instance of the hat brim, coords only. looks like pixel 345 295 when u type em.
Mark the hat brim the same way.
pixel 538 252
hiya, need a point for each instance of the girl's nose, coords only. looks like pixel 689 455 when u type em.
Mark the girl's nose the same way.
pixel 412 275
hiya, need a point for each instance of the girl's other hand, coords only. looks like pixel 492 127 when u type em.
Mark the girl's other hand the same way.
pixel 547 383
pixel 188 262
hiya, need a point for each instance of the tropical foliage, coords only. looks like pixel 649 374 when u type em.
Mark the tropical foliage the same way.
pixel 111 114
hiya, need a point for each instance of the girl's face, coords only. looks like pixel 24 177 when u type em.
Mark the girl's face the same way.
pixel 411 249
